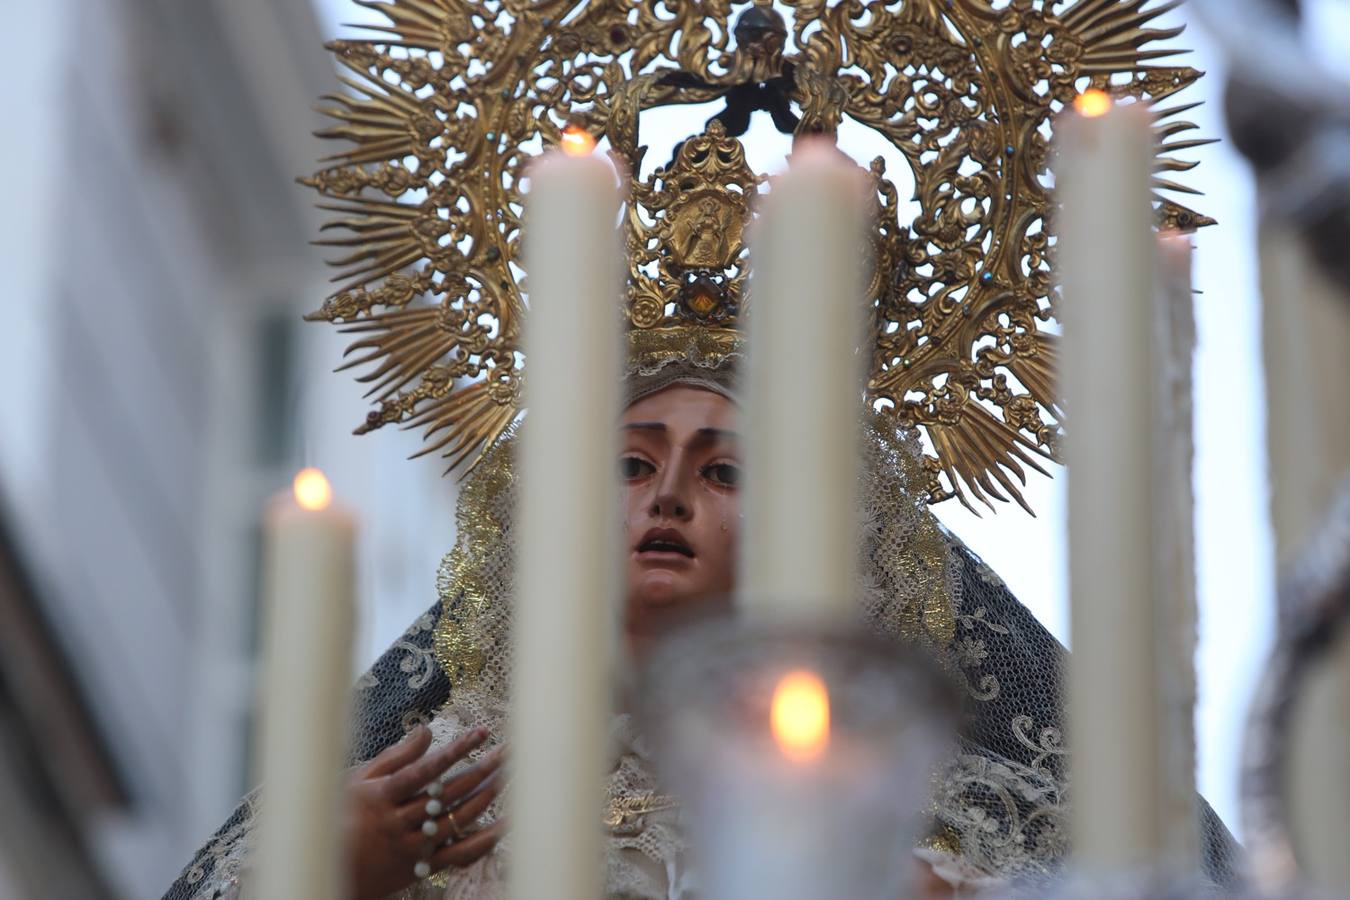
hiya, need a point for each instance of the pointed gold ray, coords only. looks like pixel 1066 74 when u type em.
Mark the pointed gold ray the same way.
pixel 408 341
pixel 1036 371
pixel 384 123
pixel 424 24
pixel 463 422
pixel 981 449
pixel 388 237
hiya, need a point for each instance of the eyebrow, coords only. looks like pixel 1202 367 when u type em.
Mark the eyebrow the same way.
pixel 702 433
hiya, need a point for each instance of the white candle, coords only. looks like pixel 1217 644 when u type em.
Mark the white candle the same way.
pixel 308 556
pixel 1174 550
pixel 1106 262
pixel 1305 333
pixel 566 612
pixel 804 391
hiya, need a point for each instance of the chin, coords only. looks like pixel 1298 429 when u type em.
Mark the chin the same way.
pixel 660 589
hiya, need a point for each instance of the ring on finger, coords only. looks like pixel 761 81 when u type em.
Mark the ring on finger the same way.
pixel 454 827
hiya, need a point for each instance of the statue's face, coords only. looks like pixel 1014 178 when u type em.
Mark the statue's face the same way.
pixel 680 464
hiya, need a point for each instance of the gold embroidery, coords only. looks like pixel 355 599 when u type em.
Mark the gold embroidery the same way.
pixel 651 349
pixel 943 839
pixel 477 570
pixel 910 551
pixel 624 813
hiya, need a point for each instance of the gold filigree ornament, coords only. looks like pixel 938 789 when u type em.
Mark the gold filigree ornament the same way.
pixel 449 101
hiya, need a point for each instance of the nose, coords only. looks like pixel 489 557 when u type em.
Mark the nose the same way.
pixel 671 499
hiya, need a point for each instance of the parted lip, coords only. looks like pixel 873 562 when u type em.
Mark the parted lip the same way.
pixel 665 540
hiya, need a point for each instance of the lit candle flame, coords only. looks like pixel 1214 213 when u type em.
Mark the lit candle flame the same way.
pixel 1093 103
pixel 577 141
pixel 800 715
pixel 312 490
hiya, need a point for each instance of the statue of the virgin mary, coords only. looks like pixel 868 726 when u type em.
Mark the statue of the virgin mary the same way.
pixel 449 103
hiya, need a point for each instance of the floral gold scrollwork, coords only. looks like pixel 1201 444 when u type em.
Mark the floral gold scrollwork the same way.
pixel 691 253
pixel 447 102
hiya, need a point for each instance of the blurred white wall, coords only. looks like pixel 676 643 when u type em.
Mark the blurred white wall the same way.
pixel 158 384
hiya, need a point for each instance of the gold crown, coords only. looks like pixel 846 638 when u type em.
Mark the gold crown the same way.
pixel 452 98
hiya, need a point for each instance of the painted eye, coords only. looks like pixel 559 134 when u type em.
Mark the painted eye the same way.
pixel 635 467
pixel 724 474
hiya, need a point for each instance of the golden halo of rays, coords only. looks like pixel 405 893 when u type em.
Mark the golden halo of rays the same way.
pixel 443 105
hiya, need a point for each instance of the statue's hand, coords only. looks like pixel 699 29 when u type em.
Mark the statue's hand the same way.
pixel 389 806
